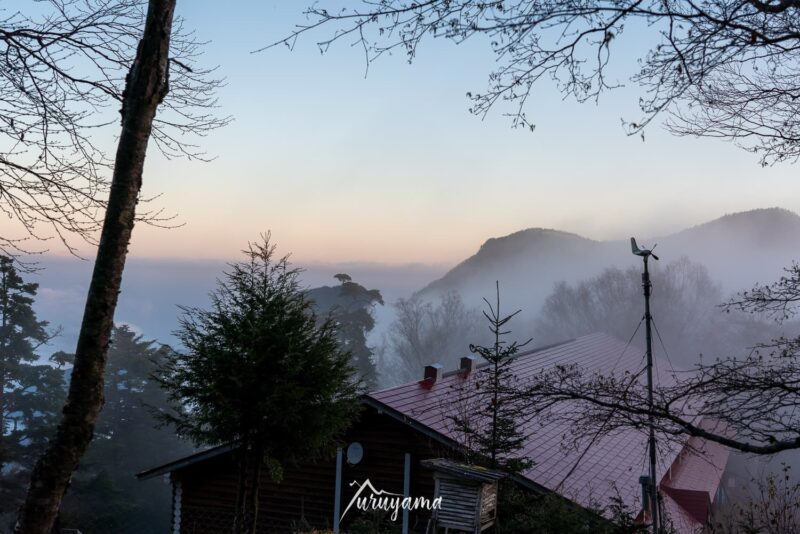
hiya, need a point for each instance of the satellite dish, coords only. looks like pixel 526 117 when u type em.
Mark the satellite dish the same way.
pixel 355 452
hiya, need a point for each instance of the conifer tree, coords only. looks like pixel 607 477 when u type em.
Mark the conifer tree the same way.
pixel 491 422
pixel 31 392
pixel 351 304
pixel 260 371
pixel 490 414
pixel 104 496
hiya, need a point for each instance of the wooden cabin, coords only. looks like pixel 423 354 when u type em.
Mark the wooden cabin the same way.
pixel 205 484
pixel 403 426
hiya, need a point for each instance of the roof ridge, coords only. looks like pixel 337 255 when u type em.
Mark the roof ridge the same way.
pixel 484 364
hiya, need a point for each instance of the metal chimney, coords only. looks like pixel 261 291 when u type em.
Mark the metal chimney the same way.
pixel 644 480
pixel 433 372
pixel 468 364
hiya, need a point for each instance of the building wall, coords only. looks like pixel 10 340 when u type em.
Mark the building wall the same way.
pixel 208 489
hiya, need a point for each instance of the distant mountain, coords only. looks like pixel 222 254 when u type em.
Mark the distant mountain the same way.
pixel 741 248
pixel 738 249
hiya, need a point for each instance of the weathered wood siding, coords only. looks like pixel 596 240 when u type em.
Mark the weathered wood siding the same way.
pixel 460 504
pixel 488 505
pixel 208 489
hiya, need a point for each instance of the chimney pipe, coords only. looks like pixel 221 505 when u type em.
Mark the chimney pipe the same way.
pixel 433 372
pixel 467 364
pixel 644 480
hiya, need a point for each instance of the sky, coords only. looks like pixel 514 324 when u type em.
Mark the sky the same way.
pixel 369 174
pixel 391 168
pixel 381 171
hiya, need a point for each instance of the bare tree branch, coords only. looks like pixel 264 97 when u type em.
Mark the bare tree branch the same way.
pixel 62 74
pixel 748 403
pixel 703 65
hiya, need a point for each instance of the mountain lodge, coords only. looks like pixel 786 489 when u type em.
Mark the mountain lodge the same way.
pixel 403 427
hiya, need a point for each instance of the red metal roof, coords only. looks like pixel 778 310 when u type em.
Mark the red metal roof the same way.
pixel 610 467
pixel 694 477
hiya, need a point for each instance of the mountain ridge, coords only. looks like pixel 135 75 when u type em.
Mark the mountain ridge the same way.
pixel 739 249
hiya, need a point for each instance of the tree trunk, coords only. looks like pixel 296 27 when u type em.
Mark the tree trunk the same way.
pixel 255 486
pixel 3 358
pixel 245 520
pixel 239 516
pixel 146 87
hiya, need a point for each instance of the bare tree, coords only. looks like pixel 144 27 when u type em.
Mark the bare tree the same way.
pixel 721 68
pixel 770 507
pixel 425 332
pixel 61 84
pixel 748 404
pixel 685 310
pixel 96 35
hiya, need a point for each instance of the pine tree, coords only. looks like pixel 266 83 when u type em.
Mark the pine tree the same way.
pixel 350 304
pixel 31 392
pixel 104 496
pixel 491 414
pixel 260 371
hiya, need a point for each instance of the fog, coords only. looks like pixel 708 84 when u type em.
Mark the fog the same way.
pixel 737 250
pixel 699 268
pixel 153 290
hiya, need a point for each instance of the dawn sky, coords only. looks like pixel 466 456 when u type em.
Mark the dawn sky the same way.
pixel 392 167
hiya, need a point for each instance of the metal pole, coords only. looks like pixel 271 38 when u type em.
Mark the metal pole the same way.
pixel 654 511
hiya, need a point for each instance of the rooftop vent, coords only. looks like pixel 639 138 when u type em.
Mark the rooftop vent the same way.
pixel 468 364
pixel 433 372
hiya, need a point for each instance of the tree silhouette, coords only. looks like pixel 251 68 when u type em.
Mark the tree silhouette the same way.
pixel 425 332
pixel 350 305
pixel 261 372
pixel 147 85
pixel 31 392
pixel 103 495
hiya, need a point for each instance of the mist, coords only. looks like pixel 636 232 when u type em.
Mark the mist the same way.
pixel 737 251
pixel 154 289
pixel 537 269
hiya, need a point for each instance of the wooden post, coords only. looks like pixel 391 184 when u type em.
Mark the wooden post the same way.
pixel 337 498
pixel 406 489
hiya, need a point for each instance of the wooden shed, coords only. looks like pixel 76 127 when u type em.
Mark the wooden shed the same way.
pixel 468 495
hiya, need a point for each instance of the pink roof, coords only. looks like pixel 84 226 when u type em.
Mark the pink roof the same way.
pixel 694 477
pixel 592 475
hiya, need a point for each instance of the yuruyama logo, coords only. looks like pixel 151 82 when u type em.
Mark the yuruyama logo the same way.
pixel 368 498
